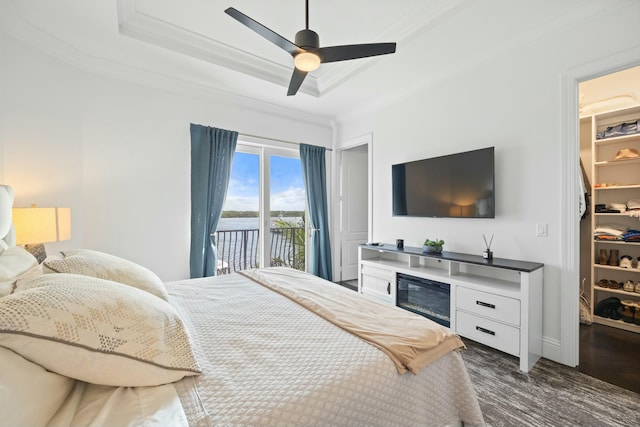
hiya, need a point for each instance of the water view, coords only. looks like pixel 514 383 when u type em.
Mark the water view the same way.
pixel 238 243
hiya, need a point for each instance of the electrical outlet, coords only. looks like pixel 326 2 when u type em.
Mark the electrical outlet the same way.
pixel 541 230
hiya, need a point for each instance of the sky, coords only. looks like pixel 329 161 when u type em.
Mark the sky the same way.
pixel 287 185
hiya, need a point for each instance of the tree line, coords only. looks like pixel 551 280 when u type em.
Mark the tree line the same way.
pixel 254 214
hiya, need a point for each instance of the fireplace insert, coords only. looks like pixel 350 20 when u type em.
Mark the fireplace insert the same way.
pixel 426 297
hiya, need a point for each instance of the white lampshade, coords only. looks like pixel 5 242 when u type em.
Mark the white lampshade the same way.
pixel 41 225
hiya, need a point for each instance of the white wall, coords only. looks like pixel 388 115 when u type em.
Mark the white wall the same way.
pixel 511 100
pixel 117 153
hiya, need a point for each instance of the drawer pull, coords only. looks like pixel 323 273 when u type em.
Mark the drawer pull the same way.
pixel 486 331
pixel 389 288
pixel 485 304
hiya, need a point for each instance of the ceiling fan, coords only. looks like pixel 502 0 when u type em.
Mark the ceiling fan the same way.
pixel 306 51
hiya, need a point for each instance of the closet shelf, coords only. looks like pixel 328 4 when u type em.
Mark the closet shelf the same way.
pixel 617 162
pixel 618 242
pixel 614 267
pixel 617 187
pixel 624 174
pixel 618 139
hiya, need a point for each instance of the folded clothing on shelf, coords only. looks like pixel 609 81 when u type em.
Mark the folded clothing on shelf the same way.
pixel 610 231
pixel 628 128
pixel 616 207
pixel 633 204
pixel 631 236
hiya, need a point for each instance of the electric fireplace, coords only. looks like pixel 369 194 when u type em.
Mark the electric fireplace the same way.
pixel 429 298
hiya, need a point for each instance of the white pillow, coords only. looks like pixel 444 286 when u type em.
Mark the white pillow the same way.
pixel 29 395
pixel 105 266
pixel 14 262
pixel 97 331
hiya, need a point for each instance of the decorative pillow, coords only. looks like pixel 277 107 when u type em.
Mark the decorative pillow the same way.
pixel 29 394
pixel 14 262
pixel 97 331
pixel 110 267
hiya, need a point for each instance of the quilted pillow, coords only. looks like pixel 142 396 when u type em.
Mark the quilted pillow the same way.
pixel 97 331
pixel 110 267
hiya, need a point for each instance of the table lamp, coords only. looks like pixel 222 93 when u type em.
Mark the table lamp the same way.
pixel 36 226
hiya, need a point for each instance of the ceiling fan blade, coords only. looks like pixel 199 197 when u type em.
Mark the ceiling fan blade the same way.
pixel 296 81
pixel 354 51
pixel 265 32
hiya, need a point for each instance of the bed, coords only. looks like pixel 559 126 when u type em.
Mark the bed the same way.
pixel 92 339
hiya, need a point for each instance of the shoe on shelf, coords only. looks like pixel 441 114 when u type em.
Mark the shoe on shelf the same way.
pixel 629 286
pixel 603 258
pixel 627 313
pixel 614 258
pixel 636 316
pixel 609 307
pixel 637 287
pixel 638 263
pixel 626 261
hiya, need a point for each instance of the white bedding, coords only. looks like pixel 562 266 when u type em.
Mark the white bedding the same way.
pixel 90 405
pixel 267 361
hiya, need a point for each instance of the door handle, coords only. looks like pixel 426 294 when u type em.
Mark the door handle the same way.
pixel 389 288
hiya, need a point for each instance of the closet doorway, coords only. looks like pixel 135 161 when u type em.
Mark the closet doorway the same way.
pixel 609 343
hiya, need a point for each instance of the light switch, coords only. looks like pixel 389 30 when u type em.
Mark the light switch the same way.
pixel 541 230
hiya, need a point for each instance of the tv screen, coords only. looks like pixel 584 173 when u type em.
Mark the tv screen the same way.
pixel 456 185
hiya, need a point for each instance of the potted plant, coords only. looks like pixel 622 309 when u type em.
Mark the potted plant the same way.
pixel 433 246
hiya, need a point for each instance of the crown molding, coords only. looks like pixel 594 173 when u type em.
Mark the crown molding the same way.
pixel 137 24
pixel 16 27
pixel 141 26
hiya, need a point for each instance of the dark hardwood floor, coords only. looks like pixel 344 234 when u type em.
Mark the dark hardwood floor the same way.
pixel 608 354
pixel 611 355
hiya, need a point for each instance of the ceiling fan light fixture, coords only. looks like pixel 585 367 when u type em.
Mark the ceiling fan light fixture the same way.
pixel 307 61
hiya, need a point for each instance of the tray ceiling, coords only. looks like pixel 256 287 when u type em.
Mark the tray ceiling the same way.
pixel 193 46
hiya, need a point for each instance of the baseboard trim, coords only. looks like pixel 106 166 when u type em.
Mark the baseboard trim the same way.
pixel 552 350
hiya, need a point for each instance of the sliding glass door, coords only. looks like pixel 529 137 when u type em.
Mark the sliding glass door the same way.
pixel 263 220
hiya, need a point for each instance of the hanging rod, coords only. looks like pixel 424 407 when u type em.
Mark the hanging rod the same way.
pixel 275 140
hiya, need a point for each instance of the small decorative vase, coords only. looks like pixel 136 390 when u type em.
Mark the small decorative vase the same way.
pixel 432 249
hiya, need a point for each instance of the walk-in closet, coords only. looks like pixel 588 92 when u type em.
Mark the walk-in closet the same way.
pixel 610 228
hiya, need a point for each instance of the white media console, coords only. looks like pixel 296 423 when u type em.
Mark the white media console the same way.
pixel 495 302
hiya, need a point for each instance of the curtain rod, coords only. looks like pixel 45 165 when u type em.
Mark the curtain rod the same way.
pixel 275 140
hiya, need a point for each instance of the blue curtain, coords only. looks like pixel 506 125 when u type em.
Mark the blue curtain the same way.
pixel 211 156
pixel 315 182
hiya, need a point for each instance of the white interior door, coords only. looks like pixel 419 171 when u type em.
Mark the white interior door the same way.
pixel 354 208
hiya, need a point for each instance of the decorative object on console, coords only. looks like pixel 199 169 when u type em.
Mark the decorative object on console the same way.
pixel 400 243
pixel 432 246
pixel 487 254
pixel 36 226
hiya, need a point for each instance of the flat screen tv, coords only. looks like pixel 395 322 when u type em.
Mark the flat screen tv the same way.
pixel 457 185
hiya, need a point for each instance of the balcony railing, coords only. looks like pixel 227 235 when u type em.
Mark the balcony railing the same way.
pixel 238 249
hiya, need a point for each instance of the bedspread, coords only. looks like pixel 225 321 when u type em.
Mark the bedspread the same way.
pixel 268 361
pixel 411 341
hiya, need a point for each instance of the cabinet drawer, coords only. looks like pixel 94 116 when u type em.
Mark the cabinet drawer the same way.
pixel 494 334
pixel 489 305
pixel 381 289
pixel 381 273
